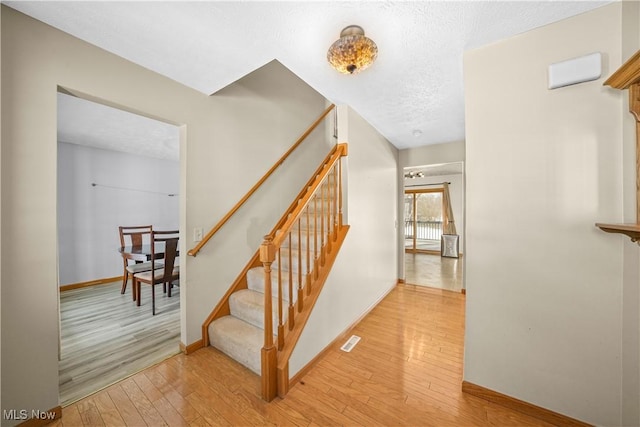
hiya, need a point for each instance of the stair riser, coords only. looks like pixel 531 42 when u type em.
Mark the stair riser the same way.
pixel 241 344
pixel 252 311
pixel 255 282
pixel 312 222
pixel 293 263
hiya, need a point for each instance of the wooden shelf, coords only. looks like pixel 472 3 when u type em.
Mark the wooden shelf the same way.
pixel 628 77
pixel 630 230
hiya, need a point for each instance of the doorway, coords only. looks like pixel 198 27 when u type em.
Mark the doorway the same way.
pixel 423 220
pixel 423 225
pixel 114 168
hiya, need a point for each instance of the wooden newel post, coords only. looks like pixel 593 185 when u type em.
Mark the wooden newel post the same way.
pixel 269 350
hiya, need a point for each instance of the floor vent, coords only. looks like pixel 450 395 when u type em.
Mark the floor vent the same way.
pixel 348 346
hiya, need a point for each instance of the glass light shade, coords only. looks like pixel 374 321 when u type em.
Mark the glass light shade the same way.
pixel 352 52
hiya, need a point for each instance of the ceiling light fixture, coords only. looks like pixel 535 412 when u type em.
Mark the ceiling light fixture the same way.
pixel 413 175
pixel 352 52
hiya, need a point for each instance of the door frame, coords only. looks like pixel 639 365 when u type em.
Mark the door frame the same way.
pixel 414 249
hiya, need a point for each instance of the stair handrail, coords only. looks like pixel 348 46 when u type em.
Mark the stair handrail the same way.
pixel 340 151
pixel 194 251
pixel 275 356
pixel 219 310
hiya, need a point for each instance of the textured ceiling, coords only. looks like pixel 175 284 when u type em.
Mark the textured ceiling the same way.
pixel 87 123
pixel 413 94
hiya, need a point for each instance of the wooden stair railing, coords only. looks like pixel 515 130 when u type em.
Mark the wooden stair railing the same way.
pixel 194 251
pixel 222 308
pixel 316 229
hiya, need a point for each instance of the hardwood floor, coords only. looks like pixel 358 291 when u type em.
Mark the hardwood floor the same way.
pixel 433 271
pixel 406 370
pixel 105 337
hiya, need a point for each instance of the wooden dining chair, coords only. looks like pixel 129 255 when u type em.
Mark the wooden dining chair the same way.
pixel 134 236
pixel 167 273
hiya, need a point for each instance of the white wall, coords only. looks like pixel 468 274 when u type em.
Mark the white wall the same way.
pixel 366 267
pixel 544 285
pixel 228 141
pixel 88 216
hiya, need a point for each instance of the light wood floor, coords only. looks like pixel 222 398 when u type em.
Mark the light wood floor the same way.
pixel 434 271
pixel 406 370
pixel 105 337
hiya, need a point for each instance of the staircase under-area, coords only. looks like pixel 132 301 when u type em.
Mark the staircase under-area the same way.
pixel 259 320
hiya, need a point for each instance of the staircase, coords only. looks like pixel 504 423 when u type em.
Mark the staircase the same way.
pixel 240 335
pixel 261 317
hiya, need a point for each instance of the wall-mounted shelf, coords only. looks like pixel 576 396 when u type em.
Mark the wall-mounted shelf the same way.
pixel 628 77
pixel 631 230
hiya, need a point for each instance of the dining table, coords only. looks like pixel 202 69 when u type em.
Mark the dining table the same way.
pixel 142 253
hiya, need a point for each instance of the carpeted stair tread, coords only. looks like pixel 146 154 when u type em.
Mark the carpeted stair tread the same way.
pixel 291 263
pixel 255 282
pixel 239 340
pixel 248 305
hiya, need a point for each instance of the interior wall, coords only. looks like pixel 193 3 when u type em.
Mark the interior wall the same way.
pixel 1 203
pixel 435 154
pixel 366 268
pixel 88 216
pixel 631 251
pixel 265 113
pixel 544 285
pixel 228 140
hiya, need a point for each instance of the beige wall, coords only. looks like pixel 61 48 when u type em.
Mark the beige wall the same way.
pixel 0 207
pixel 432 154
pixel 228 140
pixel 544 285
pixel 631 260
pixel 365 269
pixel 264 113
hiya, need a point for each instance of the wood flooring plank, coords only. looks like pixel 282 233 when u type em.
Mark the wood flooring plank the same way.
pixel 199 422
pixel 90 414
pixel 150 391
pixel 207 411
pixel 499 416
pixel 71 417
pixel 146 409
pixel 314 410
pixel 313 396
pixel 405 371
pixel 271 412
pixel 319 380
pixel 169 413
pixel 182 406
pixel 222 384
pixel 126 408
pixel 105 338
pixel 108 411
